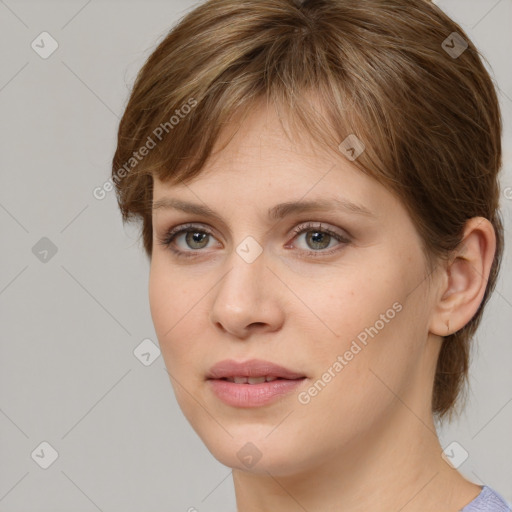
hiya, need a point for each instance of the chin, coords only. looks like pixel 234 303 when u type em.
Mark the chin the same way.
pixel 275 464
pixel 256 452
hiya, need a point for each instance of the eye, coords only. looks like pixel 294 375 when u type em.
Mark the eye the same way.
pixel 195 238
pixel 318 239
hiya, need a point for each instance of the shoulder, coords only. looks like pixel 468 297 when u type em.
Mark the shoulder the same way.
pixel 488 500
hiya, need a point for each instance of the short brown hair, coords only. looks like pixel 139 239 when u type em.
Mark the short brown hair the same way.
pixel 429 118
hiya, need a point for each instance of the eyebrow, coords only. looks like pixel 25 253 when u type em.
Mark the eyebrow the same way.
pixel 275 213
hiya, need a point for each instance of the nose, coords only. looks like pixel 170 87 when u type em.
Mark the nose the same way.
pixel 247 299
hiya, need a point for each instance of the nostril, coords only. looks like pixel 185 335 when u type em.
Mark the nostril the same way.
pixel 257 324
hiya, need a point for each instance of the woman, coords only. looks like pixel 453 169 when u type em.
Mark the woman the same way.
pixel 318 189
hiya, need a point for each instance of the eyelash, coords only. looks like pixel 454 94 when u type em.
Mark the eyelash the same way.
pixel 170 235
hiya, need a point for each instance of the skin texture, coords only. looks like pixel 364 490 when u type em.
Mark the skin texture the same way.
pixel 367 440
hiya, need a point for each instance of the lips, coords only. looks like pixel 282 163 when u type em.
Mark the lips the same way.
pixel 251 372
pixel 253 383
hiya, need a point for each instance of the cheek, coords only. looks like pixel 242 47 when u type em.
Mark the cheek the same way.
pixel 168 303
pixel 380 344
pixel 367 334
pixel 176 304
pixel 350 397
pixel 350 304
pixel 169 294
pixel 161 302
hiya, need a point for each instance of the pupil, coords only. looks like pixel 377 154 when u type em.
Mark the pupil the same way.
pixel 195 238
pixel 316 239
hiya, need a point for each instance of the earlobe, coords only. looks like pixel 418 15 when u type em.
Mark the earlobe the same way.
pixel 465 278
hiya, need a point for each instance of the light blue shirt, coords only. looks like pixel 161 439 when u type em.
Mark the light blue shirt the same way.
pixel 488 501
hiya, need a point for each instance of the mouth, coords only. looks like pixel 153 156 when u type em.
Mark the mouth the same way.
pixel 251 370
pixel 253 380
pixel 252 383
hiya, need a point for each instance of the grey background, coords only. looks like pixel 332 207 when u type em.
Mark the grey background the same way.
pixel 70 324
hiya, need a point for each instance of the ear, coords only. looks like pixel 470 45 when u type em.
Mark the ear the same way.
pixel 464 278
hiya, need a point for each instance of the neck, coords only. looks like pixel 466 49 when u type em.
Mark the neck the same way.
pixel 396 466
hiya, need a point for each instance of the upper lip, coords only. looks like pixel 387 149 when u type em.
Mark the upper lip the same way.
pixel 251 368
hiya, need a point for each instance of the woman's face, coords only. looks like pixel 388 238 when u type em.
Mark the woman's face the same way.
pixel 344 305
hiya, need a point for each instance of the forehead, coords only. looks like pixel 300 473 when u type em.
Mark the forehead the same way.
pixel 258 161
pixel 267 140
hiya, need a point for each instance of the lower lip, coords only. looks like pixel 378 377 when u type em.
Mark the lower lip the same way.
pixel 252 395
